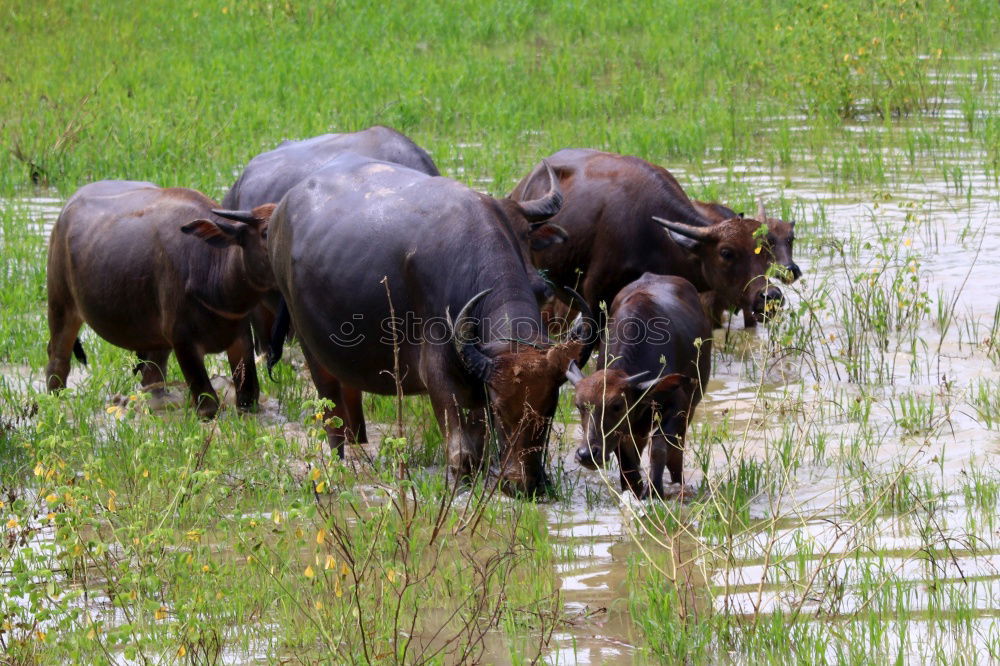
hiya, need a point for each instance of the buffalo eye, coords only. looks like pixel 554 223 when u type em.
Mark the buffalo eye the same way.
pixel 727 254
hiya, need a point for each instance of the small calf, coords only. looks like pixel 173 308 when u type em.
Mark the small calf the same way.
pixel 653 368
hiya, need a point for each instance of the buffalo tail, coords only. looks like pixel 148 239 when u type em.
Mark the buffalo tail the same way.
pixel 81 356
pixel 279 332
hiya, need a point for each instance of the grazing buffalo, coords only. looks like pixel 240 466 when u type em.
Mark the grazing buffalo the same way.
pixel 625 217
pixel 153 270
pixel 657 358
pixel 373 260
pixel 780 235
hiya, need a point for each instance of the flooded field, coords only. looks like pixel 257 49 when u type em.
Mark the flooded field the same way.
pixel 844 455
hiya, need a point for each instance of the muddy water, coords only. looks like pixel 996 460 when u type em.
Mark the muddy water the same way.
pixel 944 221
pixel 949 228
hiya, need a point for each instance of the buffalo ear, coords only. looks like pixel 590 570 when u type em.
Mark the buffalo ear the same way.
pixel 545 235
pixel 216 234
pixel 668 384
pixel 264 212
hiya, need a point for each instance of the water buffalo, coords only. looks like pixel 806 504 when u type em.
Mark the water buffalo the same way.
pixel 625 216
pixel 271 174
pixel 153 270
pixel 361 243
pixel 650 379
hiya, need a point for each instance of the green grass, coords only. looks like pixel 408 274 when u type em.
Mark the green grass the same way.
pixel 846 495
pixel 183 93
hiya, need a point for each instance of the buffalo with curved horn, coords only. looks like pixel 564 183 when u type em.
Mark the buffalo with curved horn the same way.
pixel 656 362
pixel 371 259
pixel 610 205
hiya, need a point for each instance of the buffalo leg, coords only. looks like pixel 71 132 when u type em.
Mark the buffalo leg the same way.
pixel 330 388
pixel 244 368
pixel 465 435
pixel 629 461
pixel 192 363
pixel 355 413
pixel 153 369
pixel 666 451
pixel 64 326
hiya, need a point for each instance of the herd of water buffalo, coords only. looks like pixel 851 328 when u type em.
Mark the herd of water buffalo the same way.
pixel 397 280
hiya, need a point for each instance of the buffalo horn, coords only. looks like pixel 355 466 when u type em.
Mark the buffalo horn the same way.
pixel 539 210
pixel 695 233
pixel 462 332
pixel 245 216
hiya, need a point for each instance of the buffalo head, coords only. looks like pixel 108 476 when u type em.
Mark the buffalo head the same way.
pixel 249 233
pixel 733 263
pixel 780 236
pixel 612 404
pixel 522 380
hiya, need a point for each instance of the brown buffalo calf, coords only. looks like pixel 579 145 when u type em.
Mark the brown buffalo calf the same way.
pixel 649 381
pixel 155 269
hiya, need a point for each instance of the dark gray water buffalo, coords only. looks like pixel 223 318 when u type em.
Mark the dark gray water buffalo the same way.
pixel 270 175
pixel 625 216
pixel 652 372
pixel 360 242
pixel 154 269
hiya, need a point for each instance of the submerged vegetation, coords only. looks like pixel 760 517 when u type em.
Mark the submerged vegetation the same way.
pixel 843 458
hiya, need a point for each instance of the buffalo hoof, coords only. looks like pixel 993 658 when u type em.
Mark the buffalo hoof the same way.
pixel 207 408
